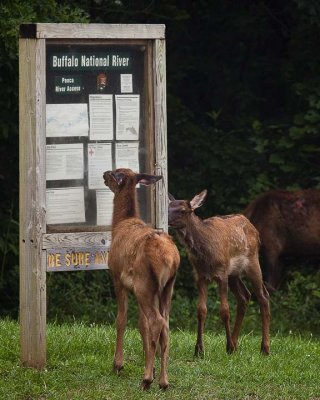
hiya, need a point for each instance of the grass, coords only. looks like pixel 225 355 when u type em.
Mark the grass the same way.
pixel 80 359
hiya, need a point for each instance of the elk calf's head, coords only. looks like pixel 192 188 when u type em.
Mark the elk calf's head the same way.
pixel 123 178
pixel 180 211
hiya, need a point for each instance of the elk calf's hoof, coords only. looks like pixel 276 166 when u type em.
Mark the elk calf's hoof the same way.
pixel 145 384
pixel 117 368
pixel 164 386
pixel 231 348
pixel 199 351
pixel 265 350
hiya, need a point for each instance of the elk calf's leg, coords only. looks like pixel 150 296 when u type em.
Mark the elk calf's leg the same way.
pixel 224 312
pixel 165 304
pixel 263 300
pixel 265 313
pixel 147 301
pixel 144 332
pixel 164 344
pixel 122 299
pixel 156 323
pixel 202 314
pixel 242 296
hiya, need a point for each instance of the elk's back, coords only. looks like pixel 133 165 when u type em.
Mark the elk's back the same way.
pixel 137 250
pixel 221 242
pixel 288 220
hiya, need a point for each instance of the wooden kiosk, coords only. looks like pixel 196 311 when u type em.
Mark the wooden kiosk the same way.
pixel 92 98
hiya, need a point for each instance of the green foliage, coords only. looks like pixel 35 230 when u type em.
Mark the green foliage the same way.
pixel 243 96
pixel 9 253
pixel 80 367
pixel 298 307
pixel 83 295
pixel 88 297
pixel 12 14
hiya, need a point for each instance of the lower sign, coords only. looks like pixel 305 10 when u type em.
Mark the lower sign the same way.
pixel 73 259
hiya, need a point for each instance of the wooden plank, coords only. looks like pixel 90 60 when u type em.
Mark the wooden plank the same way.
pixel 32 202
pixel 160 102
pixel 77 258
pixel 80 239
pixel 149 126
pixel 77 228
pixel 104 42
pixel 100 31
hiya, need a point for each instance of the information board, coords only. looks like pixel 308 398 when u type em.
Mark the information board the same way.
pixel 92 97
pixel 95 121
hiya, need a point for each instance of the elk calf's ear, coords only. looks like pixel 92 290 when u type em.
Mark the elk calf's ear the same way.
pixel 198 199
pixel 146 179
pixel 171 198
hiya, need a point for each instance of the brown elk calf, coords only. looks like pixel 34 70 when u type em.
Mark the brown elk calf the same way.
pixel 222 249
pixel 145 261
pixel 288 224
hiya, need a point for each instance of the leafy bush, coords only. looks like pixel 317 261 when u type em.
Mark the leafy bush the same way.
pixel 12 14
pixel 243 117
pixel 297 308
pixel 88 297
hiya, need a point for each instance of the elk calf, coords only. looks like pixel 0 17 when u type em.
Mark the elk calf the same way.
pixel 145 261
pixel 222 249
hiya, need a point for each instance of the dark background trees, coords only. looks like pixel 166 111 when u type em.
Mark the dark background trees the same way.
pixel 243 93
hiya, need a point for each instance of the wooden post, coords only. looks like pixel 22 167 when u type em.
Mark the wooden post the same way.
pixel 160 104
pixel 32 204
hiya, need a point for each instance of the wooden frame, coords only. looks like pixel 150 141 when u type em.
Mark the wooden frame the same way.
pixel 34 240
pixel 32 204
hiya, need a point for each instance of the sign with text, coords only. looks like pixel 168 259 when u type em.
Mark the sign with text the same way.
pixel 67 84
pixel 89 61
pixel 96 121
pixel 75 259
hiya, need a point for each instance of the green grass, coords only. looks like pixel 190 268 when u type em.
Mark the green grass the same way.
pixel 80 360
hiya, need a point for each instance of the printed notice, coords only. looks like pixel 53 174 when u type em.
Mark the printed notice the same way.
pixel 64 161
pixel 101 116
pixel 126 83
pixel 127 155
pixel 104 206
pixel 65 205
pixel 99 161
pixel 67 120
pixel 127 116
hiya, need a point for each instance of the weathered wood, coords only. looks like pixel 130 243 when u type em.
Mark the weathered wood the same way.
pixel 77 258
pixel 149 126
pixel 81 239
pixel 35 242
pixel 32 203
pixel 160 103
pixel 76 228
pixel 100 31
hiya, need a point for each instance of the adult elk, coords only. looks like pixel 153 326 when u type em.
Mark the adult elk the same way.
pixel 145 261
pixel 288 224
pixel 222 249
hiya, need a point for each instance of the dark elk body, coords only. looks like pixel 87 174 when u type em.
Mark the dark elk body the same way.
pixel 145 261
pixel 288 224
pixel 222 249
